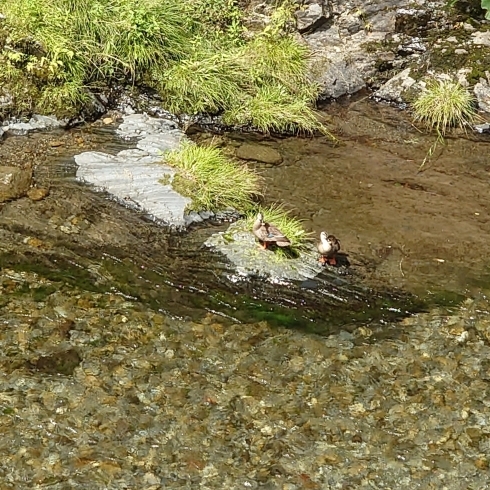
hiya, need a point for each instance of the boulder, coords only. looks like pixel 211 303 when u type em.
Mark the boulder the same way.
pixel 482 94
pixel 14 182
pixel 312 15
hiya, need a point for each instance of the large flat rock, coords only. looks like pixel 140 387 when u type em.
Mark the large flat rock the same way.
pixel 133 176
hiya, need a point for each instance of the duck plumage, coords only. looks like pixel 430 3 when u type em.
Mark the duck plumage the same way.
pixel 268 233
pixel 328 247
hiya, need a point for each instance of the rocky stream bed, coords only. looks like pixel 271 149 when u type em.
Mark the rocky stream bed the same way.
pixel 131 357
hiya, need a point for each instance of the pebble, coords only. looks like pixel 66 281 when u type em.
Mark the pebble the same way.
pixel 37 193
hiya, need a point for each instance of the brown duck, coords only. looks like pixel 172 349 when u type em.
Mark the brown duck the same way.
pixel 328 248
pixel 267 233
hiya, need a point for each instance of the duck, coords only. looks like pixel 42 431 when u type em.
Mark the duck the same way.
pixel 328 247
pixel 268 233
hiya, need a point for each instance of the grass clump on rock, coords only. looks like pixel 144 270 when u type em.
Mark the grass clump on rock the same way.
pixel 444 105
pixel 211 179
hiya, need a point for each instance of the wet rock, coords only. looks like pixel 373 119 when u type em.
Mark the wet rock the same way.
pixel 37 121
pixel 193 217
pixel 14 182
pixel 482 94
pixel 133 176
pixel 239 245
pixel 141 125
pixel 206 214
pixel 37 193
pixel 312 16
pixel 394 88
pixel 259 153
pixel 482 128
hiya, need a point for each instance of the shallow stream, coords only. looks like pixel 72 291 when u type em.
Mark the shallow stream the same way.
pixel 132 357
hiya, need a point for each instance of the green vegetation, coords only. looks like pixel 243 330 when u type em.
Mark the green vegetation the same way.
pixel 442 106
pixel 212 180
pixel 485 5
pixel 203 82
pixel 289 225
pixel 194 53
pixel 65 46
pixel 470 8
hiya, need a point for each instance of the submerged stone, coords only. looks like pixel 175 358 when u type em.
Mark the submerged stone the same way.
pixel 37 193
pixel 259 153
pixel 61 362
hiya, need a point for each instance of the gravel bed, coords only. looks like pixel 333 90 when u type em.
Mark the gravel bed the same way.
pixel 100 392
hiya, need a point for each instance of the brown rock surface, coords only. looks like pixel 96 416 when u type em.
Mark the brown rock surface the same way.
pixel 259 153
pixel 14 182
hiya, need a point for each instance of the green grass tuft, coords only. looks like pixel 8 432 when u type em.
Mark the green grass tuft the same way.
pixel 444 105
pixel 289 225
pixel 274 109
pixel 212 180
pixel 281 60
pixel 207 81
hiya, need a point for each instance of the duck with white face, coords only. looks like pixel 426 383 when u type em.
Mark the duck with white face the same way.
pixel 328 247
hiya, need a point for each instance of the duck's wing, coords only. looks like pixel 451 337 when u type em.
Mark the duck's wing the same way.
pixel 274 234
pixel 335 243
